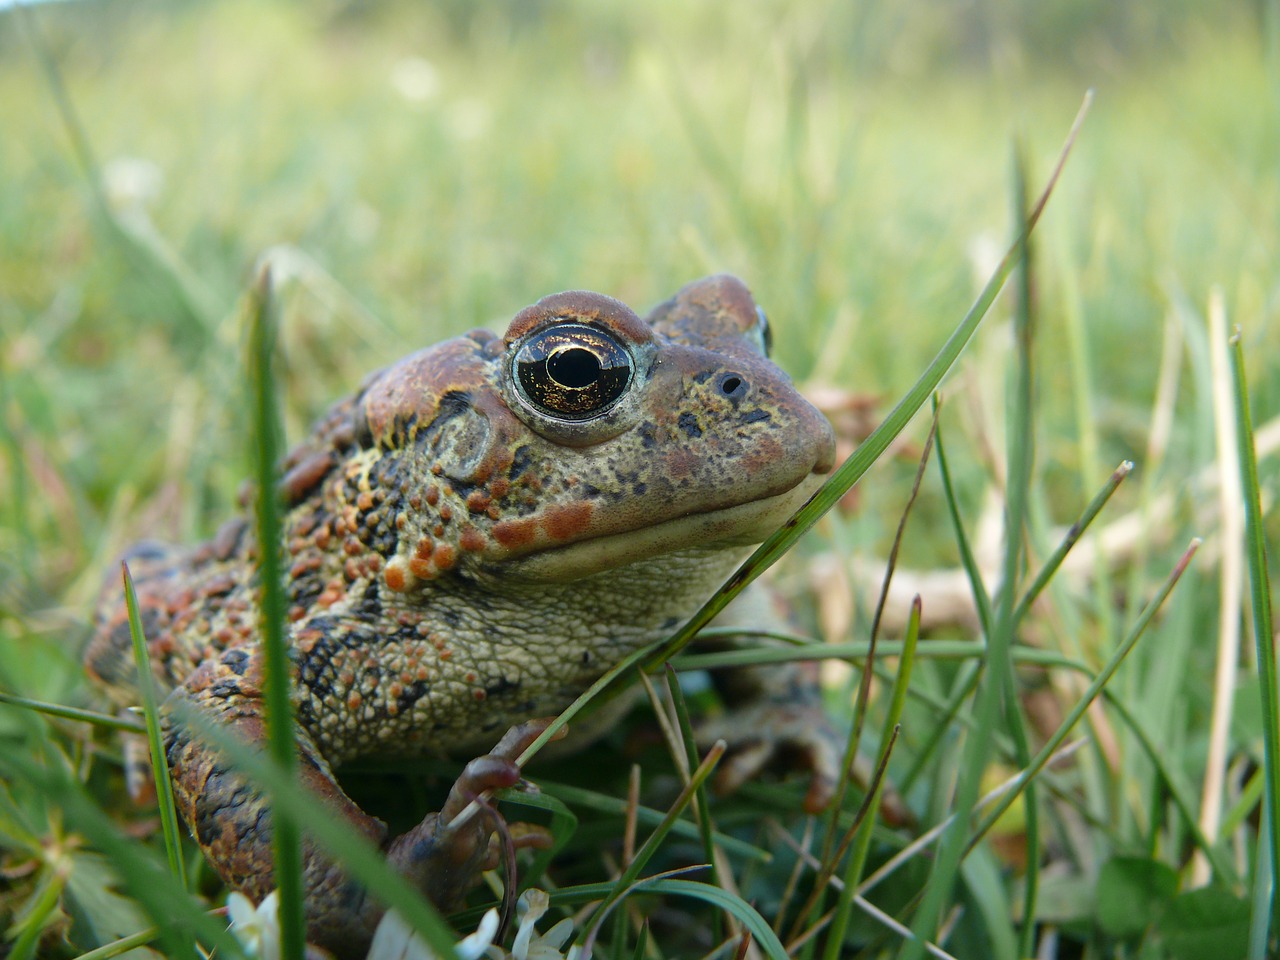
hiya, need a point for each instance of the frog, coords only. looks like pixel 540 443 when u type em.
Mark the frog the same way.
pixel 471 539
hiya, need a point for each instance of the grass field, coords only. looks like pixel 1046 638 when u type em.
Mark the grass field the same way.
pixel 414 171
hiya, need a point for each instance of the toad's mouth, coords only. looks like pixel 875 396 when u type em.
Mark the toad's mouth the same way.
pixel 742 525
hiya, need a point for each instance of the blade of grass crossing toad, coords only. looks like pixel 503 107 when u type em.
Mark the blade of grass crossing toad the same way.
pixel 568 713
pixel 151 713
pixel 1263 627
pixel 286 840
pixel 870 450
pixel 862 839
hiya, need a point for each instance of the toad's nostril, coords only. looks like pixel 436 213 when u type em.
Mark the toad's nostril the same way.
pixel 732 385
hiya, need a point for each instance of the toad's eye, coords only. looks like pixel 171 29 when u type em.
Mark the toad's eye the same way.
pixel 571 371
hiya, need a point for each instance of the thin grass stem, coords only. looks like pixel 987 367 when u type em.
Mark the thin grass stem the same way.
pixel 1073 535
pixel 286 837
pixel 862 839
pixel 1263 627
pixel 981 599
pixel 155 739
pixel 123 724
pixel 631 874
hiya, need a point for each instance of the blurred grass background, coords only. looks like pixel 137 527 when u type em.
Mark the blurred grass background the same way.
pixel 434 167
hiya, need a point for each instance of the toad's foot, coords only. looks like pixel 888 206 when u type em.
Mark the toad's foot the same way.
pixel 445 854
pixel 779 736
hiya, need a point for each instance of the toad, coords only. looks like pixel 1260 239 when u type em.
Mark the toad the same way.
pixel 470 540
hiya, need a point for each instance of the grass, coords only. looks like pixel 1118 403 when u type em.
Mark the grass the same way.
pixel 853 167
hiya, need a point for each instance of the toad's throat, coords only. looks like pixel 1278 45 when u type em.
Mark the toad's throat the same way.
pixel 741 525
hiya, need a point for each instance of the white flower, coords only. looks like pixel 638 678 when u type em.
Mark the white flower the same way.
pixel 531 945
pixel 258 928
pixel 395 940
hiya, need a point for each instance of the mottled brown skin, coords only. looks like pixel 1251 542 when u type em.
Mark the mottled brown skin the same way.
pixel 460 561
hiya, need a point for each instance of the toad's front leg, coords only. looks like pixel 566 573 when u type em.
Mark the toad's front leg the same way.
pixel 231 818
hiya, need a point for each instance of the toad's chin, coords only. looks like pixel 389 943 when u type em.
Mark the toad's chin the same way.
pixel 742 525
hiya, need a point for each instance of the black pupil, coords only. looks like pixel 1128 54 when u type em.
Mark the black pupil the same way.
pixel 575 367
pixel 572 371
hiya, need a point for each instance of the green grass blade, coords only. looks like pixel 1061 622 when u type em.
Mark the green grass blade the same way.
pixel 286 837
pixel 648 816
pixel 31 926
pixel 564 824
pixel 702 810
pixel 1260 607
pixel 747 915
pixel 862 839
pixel 1263 880
pixel 752 922
pixel 155 740
pixel 117 948
pixel 1222 867
pixel 125 724
pixel 1073 535
pixel 1021 457
pixel 631 874
pixel 981 600
pixel 863 699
